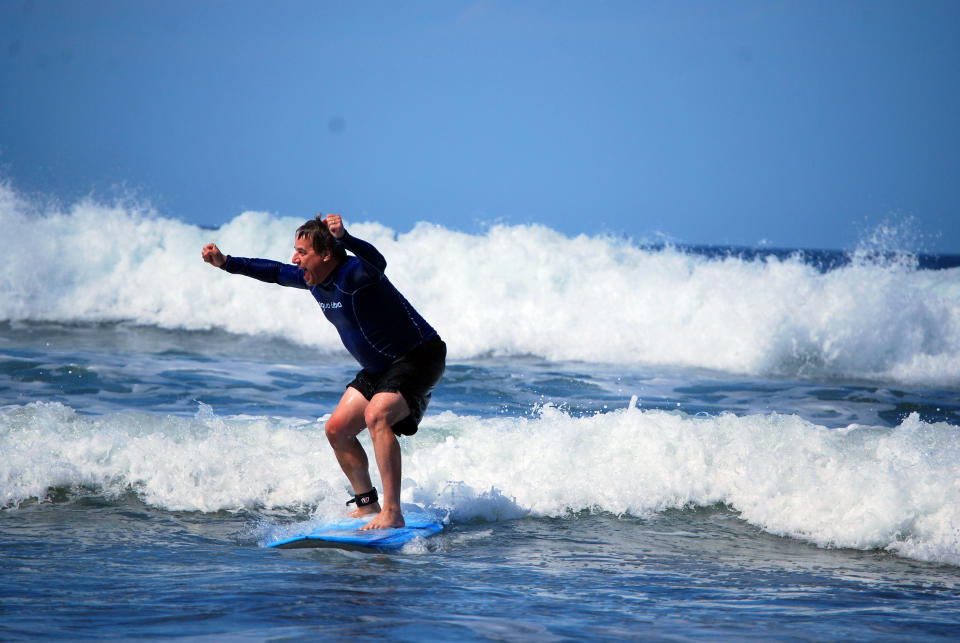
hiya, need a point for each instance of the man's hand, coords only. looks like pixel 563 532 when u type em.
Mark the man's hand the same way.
pixel 212 255
pixel 335 226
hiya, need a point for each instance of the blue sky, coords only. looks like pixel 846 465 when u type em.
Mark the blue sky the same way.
pixel 795 124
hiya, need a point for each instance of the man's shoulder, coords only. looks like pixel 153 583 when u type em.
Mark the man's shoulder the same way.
pixel 353 272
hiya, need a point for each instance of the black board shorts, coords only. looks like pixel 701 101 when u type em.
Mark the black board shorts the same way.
pixel 413 376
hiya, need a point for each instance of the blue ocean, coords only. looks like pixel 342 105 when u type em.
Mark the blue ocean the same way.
pixel 631 441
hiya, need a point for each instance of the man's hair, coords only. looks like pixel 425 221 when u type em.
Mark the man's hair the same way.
pixel 323 241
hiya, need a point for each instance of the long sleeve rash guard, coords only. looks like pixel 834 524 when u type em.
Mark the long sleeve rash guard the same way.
pixel 376 323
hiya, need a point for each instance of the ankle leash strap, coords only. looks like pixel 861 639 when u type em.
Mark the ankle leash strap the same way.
pixel 364 499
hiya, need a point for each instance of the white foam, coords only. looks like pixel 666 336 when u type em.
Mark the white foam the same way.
pixel 200 464
pixel 512 290
pixel 860 487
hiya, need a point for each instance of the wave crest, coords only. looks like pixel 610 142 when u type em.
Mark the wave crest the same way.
pixel 514 290
pixel 861 487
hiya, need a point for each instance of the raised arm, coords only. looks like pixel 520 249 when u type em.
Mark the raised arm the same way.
pixel 364 251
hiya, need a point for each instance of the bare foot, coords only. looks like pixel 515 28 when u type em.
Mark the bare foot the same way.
pixel 367 510
pixel 386 519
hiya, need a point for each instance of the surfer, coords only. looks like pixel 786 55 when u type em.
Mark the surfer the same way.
pixel 401 355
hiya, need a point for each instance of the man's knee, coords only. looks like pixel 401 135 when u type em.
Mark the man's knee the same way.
pixel 384 410
pixel 376 419
pixel 338 429
pixel 333 430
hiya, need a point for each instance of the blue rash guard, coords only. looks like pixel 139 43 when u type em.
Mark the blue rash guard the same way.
pixel 376 323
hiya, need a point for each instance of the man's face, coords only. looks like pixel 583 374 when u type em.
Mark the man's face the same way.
pixel 316 267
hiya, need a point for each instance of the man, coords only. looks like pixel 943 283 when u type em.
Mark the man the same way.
pixel 401 355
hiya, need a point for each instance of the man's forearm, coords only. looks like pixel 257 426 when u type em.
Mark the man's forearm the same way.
pixel 266 270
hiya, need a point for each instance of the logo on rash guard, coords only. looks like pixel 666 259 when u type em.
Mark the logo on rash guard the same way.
pixel 331 305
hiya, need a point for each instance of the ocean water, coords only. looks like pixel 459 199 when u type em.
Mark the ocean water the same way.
pixel 631 442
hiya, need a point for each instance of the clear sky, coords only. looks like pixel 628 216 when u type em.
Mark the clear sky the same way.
pixel 793 124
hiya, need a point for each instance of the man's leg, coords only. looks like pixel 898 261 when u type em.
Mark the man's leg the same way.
pixel 381 413
pixel 346 422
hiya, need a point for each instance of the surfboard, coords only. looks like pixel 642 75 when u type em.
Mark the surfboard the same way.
pixel 346 534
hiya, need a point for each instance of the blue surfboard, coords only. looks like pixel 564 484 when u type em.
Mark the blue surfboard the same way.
pixel 346 534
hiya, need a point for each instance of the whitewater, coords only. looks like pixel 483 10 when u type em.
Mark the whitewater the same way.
pixel 514 290
pixel 631 440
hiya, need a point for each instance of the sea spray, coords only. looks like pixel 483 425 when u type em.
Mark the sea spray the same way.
pixel 513 290
pixel 860 487
pixel 204 463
